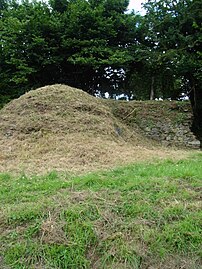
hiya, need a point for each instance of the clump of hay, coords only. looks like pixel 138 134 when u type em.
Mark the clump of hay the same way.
pixel 62 128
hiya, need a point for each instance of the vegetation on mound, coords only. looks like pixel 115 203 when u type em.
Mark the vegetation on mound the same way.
pixel 56 109
pixel 63 128
pixel 150 111
pixel 140 216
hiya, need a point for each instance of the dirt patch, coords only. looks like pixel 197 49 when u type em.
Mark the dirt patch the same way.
pixel 174 262
pixel 65 129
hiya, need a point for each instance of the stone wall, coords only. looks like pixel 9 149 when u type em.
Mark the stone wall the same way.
pixel 168 122
pixel 171 132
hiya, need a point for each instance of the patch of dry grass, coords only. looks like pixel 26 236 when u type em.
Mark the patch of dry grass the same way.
pixel 65 129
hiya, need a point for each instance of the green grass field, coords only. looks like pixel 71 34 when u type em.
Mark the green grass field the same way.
pixel 140 216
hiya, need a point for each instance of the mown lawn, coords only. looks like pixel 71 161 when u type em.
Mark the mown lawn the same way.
pixel 141 216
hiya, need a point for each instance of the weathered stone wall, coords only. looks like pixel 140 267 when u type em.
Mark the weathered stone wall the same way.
pixel 172 134
pixel 168 122
pixel 175 131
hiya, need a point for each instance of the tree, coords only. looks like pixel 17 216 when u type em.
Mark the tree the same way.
pixel 72 42
pixel 29 47
pixel 95 39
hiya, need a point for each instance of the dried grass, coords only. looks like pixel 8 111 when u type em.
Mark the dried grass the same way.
pixel 52 231
pixel 65 129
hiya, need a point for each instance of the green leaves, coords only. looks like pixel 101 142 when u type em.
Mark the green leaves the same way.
pixel 42 45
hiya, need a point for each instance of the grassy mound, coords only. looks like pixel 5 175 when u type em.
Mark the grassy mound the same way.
pixel 63 128
pixel 58 109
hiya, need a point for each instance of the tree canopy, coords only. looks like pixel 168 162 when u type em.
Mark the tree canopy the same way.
pixel 71 42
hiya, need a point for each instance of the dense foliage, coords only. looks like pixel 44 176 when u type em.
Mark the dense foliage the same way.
pixel 100 47
pixel 79 43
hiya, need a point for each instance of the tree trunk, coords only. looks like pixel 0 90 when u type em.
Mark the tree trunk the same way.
pixel 196 103
pixel 152 89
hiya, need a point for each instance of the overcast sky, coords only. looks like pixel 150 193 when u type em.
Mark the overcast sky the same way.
pixel 136 4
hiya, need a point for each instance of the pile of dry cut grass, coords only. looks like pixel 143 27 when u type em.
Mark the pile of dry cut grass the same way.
pixel 65 129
